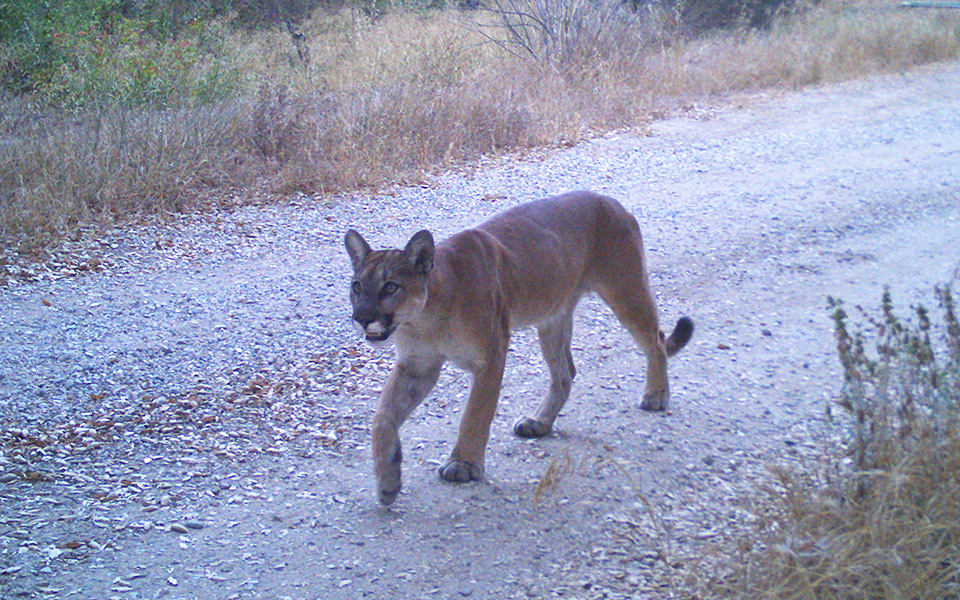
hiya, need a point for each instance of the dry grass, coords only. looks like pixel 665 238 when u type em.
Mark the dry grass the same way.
pixel 898 540
pixel 59 171
pixel 829 43
pixel 391 99
pixel 884 522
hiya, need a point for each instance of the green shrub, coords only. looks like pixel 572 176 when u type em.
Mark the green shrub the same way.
pixel 174 15
pixel 131 67
pixel 885 523
pixel 32 31
pixel 694 17
pixel 86 52
pixel 903 392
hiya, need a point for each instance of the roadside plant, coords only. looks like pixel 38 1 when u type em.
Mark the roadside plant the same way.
pixel 902 393
pixel 880 518
pixel 88 53
pixel 561 33
pixel 30 31
pixel 131 66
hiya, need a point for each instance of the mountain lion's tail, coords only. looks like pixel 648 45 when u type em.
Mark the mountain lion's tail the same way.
pixel 680 336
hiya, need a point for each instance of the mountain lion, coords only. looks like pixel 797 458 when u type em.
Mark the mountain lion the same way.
pixel 460 300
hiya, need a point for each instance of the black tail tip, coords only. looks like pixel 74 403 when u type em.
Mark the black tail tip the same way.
pixel 680 336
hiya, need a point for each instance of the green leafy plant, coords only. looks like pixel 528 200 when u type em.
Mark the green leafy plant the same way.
pixel 903 392
pixel 31 31
pixel 82 53
pixel 885 522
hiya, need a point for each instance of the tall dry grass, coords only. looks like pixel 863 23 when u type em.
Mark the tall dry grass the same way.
pixel 832 42
pixel 880 518
pixel 361 101
pixel 58 171
pixel 410 92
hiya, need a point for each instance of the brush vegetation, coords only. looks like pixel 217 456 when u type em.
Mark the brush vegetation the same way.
pixel 880 517
pixel 114 109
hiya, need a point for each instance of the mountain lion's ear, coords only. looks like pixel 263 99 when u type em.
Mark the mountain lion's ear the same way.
pixel 419 251
pixel 357 248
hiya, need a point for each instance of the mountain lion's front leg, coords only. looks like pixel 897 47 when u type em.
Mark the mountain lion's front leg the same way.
pixel 408 384
pixel 466 461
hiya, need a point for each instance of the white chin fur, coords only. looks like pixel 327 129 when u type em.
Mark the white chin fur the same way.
pixel 374 329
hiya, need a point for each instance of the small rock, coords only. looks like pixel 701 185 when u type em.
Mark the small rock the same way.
pixel 49 590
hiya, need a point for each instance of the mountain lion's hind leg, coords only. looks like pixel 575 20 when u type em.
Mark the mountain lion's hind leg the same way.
pixel 638 314
pixel 623 285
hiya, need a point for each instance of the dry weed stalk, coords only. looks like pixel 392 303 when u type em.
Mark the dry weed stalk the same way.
pixel 556 470
pixel 886 524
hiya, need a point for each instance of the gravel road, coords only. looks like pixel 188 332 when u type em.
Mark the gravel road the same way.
pixel 184 407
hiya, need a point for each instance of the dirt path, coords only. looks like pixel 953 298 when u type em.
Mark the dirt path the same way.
pixel 191 422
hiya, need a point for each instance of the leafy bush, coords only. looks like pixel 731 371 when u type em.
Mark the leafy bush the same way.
pixel 130 67
pixel 904 393
pixel 887 524
pixel 174 15
pixel 87 52
pixel 698 16
pixel 31 30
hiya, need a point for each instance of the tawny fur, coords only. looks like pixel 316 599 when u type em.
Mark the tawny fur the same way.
pixel 458 301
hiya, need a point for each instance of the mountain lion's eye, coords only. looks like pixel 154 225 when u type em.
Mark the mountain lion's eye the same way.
pixel 356 288
pixel 390 287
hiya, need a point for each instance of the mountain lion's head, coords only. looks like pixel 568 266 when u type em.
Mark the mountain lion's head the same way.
pixel 389 287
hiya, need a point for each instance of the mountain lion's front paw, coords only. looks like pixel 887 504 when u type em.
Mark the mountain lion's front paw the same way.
pixel 527 427
pixel 461 471
pixel 655 401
